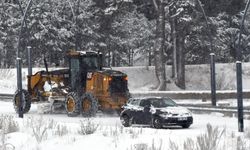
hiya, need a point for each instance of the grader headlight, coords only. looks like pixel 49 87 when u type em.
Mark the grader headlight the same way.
pixel 126 78
pixel 107 78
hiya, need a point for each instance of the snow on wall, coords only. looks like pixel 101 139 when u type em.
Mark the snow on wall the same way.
pixel 197 77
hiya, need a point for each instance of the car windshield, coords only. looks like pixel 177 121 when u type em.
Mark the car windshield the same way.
pixel 165 102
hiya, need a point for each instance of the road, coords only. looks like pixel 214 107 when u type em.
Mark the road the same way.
pixel 200 120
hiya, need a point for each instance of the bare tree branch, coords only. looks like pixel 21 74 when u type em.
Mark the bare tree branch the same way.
pixel 155 4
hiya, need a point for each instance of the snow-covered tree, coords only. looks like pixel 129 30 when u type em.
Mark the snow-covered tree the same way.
pixel 9 23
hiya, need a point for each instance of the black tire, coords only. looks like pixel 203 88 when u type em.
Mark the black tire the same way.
pixel 126 121
pixel 185 126
pixel 156 123
pixel 72 104
pixel 26 101
pixel 89 105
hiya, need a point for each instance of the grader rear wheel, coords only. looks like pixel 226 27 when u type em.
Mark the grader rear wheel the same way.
pixel 86 105
pixel 72 104
pixel 26 101
pixel 89 105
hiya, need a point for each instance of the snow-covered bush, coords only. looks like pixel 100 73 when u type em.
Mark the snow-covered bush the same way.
pixel 87 126
pixel 207 141
pixel 39 128
pixel 189 144
pixel 52 124
pixel 3 144
pixel 134 132
pixel 140 146
pixel 61 130
pixel 210 139
pixel 145 146
pixel 173 145
pixel 112 132
pixel 241 144
pixel 247 134
pixel 8 124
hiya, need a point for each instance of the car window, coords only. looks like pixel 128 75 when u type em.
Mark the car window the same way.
pixel 134 102
pixel 130 100
pixel 165 102
pixel 169 102
pixel 145 102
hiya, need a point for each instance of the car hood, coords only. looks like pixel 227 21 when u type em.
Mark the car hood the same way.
pixel 173 110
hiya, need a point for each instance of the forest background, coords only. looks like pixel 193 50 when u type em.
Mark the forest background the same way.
pixel 156 32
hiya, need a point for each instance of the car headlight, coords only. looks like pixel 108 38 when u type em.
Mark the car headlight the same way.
pixel 152 110
pixel 188 114
pixel 165 115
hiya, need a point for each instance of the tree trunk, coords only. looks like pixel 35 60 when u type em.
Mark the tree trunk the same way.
pixel 173 24
pixel 149 59
pixel 180 82
pixel 178 59
pixel 129 57
pixel 113 59
pixel 109 58
pixel 159 48
pixel 175 67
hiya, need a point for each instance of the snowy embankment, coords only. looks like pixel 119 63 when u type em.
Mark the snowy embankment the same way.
pixel 142 78
pixel 56 131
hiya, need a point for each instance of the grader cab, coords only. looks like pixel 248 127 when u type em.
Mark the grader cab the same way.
pixel 84 88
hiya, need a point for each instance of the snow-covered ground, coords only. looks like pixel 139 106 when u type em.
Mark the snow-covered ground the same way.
pixel 110 135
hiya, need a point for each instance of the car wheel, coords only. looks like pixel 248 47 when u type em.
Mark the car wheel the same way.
pixel 186 126
pixel 126 121
pixel 156 122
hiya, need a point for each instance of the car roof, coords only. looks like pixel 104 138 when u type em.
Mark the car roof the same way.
pixel 145 98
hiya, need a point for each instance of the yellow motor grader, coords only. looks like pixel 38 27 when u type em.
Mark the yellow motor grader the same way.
pixel 84 88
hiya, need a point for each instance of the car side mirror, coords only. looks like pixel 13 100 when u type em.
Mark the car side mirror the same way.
pixel 147 108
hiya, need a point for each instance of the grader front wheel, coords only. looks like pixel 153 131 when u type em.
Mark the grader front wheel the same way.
pixel 26 101
pixel 72 104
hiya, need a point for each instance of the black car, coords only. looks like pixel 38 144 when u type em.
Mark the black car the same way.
pixel 155 111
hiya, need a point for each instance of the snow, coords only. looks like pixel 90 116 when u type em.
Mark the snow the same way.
pixel 110 134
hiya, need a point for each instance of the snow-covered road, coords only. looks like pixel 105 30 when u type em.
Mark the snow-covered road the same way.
pixel 111 135
pixel 200 120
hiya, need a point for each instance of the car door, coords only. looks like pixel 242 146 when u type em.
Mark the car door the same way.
pixel 144 115
pixel 133 107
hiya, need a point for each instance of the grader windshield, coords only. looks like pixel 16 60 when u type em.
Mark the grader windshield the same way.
pixel 80 64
